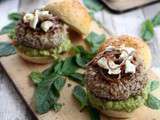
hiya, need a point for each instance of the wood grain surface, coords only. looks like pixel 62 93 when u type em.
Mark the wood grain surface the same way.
pixel 11 105
pixel 18 70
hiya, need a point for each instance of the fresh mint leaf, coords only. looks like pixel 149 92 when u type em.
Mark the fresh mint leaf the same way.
pixel 77 77
pixel 59 83
pixel 147 31
pixel 6 49
pixel 154 85
pixel 69 66
pixel 47 93
pixel 156 19
pixel 58 67
pixel 8 28
pixel 12 34
pixel 81 96
pixel 56 106
pixel 42 96
pixel 79 49
pixel 94 113
pixel 36 77
pixel 83 58
pixel 15 16
pixel 55 68
pixel 152 102
pixel 94 5
pixel 94 41
pixel 48 71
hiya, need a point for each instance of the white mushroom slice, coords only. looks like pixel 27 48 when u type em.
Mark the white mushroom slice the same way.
pixel 28 17
pixel 114 71
pixel 34 22
pixel 46 25
pixel 103 63
pixel 43 14
pixel 128 51
pixel 129 67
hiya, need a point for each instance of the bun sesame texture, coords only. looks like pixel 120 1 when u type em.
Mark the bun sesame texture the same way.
pixel 141 47
pixel 72 12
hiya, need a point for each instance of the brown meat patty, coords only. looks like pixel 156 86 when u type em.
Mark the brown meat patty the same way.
pixel 38 38
pixel 110 87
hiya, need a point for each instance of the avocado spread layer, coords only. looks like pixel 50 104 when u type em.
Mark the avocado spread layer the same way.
pixel 53 52
pixel 127 105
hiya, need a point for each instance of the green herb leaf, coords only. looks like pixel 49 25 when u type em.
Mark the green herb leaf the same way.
pixel 154 85
pixel 36 77
pixel 55 68
pixel 83 56
pixel 83 59
pixel 69 66
pixel 12 34
pixel 94 5
pixel 94 113
pixel 81 96
pixel 8 28
pixel 77 77
pixel 156 19
pixel 147 31
pixel 59 83
pixel 47 93
pixel 58 67
pixel 48 71
pixel 15 16
pixel 56 106
pixel 79 49
pixel 6 49
pixel 152 102
pixel 94 41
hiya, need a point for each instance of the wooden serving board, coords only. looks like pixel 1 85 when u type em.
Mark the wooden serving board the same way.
pixel 18 70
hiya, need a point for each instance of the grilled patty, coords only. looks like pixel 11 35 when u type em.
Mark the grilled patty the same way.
pixel 39 39
pixel 112 88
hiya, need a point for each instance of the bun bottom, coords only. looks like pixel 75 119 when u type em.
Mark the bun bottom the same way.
pixel 37 60
pixel 117 114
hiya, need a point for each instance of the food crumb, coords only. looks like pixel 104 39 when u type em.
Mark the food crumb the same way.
pixel 69 85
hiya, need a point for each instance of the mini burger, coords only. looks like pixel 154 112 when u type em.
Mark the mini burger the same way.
pixel 116 77
pixel 42 36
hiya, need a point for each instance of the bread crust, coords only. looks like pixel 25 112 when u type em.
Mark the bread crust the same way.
pixel 117 114
pixel 121 114
pixel 71 12
pixel 37 60
pixel 141 47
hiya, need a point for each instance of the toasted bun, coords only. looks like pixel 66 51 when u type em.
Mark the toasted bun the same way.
pixel 71 12
pixel 37 60
pixel 117 114
pixel 141 47
pixel 121 114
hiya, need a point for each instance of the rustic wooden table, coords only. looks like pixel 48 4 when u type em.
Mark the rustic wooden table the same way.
pixel 12 106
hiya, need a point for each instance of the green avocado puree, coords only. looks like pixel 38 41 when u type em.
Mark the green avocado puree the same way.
pixel 53 52
pixel 128 105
